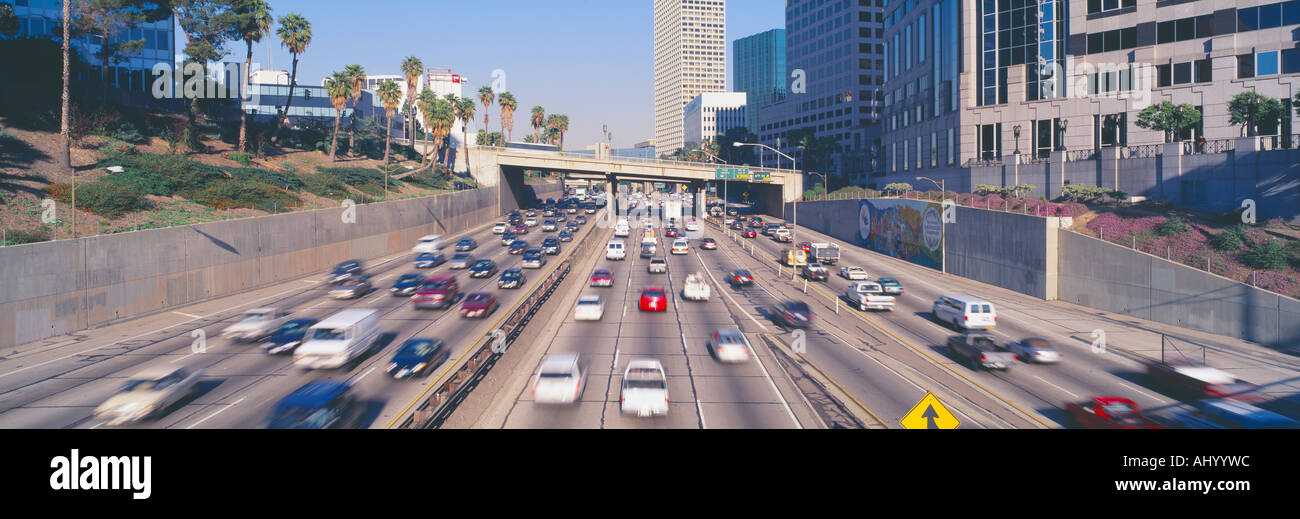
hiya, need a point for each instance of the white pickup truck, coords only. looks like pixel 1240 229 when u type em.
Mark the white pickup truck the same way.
pixel 869 295
pixel 256 324
pixel 696 288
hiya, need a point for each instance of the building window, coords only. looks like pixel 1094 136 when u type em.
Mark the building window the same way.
pixel 1291 59
pixel 990 141
pixel 1245 66
pixel 1203 72
pixel 893 157
pixel 934 149
pixel 1266 63
pixel 1111 129
pixel 952 146
pixel 919 154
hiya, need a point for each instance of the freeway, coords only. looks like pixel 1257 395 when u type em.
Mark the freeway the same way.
pixel 58 386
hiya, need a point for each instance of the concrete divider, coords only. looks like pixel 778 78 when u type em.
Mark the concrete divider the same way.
pixel 54 288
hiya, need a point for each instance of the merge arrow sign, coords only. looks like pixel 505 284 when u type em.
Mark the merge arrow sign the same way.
pixel 929 413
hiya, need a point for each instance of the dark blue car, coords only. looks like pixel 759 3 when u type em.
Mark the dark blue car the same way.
pixel 518 246
pixel 483 268
pixel 317 405
pixel 345 271
pixel 427 260
pixel 417 357
pixel 551 246
pixel 511 278
pixel 407 284
pixel 287 337
pixel 565 235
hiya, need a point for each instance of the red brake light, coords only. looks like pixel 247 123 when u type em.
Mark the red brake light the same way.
pixel 984 357
pixel 965 318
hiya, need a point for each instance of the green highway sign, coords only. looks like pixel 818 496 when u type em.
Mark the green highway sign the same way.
pixel 761 176
pixel 732 174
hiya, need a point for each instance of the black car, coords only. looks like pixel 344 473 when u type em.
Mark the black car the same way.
pixel 518 246
pixel 511 278
pixel 565 235
pixel 344 271
pixel 466 244
pixel 417 357
pixel 508 237
pixel 793 314
pixel 551 246
pixel 406 285
pixel 318 405
pixel 483 268
pixel 740 278
pixel 287 337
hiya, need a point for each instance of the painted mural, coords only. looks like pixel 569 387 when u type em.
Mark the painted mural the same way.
pixel 910 230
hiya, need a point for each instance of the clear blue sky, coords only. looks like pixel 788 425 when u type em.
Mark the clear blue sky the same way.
pixel 589 59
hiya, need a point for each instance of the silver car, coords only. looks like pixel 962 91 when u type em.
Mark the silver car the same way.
pixel 1034 350
pixel 657 266
pixel 729 346
pixel 460 261
pixel 148 394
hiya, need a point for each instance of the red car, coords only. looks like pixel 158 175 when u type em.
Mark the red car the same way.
pixel 653 299
pixel 670 232
pixel 1109 412
pixel 521 229
pixel 436 292
pixel 708 244
pixel 737 225
pixel 806 246
pixel 478 305
pixel 602 278
pixel 750 233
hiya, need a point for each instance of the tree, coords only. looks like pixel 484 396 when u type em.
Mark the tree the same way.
pixel 339 88
pixel 1169 118
pixel 1254 111
pixel 65 128
pixel 412 68
pixel 561 126
pixel 253 21
pixel 486 96
pixel 743 155
pixel 207 25
pixel 539 122
pixel 295 34
pixel 508 105
pixel 897 188
pixel 530 138
pixel 464 110
pixel 357 74
pixel 110 23
pixel 390 93
pixel 9 25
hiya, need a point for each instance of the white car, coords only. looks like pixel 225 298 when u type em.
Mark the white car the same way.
pixel 696 289
pixel 681 247
pixel 645 389
pixel 430 243
pixel 589 308
pixel 256 324
pixel 1034 350
pixel 692 226
pixel 853 273
pixel 531 222
pixel 499 228
pixel 148 394
pixel 729 346
pixel 560 379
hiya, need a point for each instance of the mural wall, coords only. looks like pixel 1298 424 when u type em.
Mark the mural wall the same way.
pixel 910 230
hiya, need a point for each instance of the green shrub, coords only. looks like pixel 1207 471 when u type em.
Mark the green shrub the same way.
pixel 161 175
pixel 115 148
pixel 430 180
pixel 1269 255
pixel 21 236
pixel 324 185
pixel 230 193
pixel 125 132
pixel 1232 239
pixel 370 181
pixel 109 198
pixel 193 140
pixel 243 158
pixel 282 179
pixel 1171 226
pixel 7 138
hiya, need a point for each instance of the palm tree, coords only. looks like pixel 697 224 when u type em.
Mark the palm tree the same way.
pixel 508 105
pixel 339 87
pixel 428 106
pixel 294 33
pixel 255 22
pixel 464 109
pixel 390 93
pixel 539 120
pixel 358 75
pixel 486 96
pixel 412 67
pixel 562 126
pixel 444 121
pixel 552 128
pixel 65 128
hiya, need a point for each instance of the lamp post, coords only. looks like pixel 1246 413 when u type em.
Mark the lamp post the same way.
pixel 1061 124
pixel 724 185
pixel 943 225
pixel 778 165
pixel 1015 130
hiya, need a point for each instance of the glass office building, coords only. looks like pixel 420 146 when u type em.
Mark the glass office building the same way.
pixel 758 70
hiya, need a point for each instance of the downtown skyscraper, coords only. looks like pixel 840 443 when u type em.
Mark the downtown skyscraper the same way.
pixel 690 58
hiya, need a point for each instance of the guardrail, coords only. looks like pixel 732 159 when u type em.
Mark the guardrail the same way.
pixel 1145 151
pixel 436 407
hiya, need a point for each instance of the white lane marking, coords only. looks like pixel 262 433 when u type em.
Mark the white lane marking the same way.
pixel 1134 388
pixel 312 281
pixel 322 301
pixel 186 315
pixel 700 411
pixel 184 357
pixel 363 375
pixel 96 426
pixel 232 404
pixel 1066 391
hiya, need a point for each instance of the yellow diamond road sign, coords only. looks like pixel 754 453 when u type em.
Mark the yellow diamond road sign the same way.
pixel 929 413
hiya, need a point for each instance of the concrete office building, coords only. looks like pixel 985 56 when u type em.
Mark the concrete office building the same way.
pixel 690 58
pixel 834 62
pixel 713 113
pixel 972 83
pixel 758 70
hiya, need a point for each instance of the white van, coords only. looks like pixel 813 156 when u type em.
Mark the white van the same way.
pixel 622 229
pixel 965 312
pixel 615 250
pixel 430 243
pixel 338 340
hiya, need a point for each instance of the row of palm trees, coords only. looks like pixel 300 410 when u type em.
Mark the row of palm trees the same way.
pixel 554 125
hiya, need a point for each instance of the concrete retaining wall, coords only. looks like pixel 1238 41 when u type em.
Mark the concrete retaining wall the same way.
pixel 1110 277
pixel 54 288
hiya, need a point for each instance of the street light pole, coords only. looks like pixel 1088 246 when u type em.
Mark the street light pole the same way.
pixel 943 225
pixel 795 219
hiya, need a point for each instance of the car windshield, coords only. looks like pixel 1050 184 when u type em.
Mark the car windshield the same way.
pixel 433 284
pixel 654 293
pixel 889 281
pixel 742 273
pixel 1117 409
pixel 519 244
pixel 327 334
pixel 291 328
pixel 252 318
pixel 143 384
pixel 421 348
pixel 483 264
pixel 602 273
pixel 351 283
pixel 410 278
pixel 426 256
pixel 478 298
pixel 465 241
pixel 798 307
pixel 589 302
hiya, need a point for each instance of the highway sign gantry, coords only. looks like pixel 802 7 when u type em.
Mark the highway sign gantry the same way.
pixel 929 413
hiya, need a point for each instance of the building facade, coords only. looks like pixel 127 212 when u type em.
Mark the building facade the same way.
pixel 690 57
pixel 713 113
pixel 758 70
pixel 835 69
pixel 990 81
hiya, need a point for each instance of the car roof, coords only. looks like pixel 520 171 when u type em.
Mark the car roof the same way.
pixel 559 362
pixel 346 318
pixel 314 394
pixel 644 364
pixel 155 372
pixel 588 298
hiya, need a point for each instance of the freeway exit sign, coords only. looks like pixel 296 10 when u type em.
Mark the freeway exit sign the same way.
pixel 732 174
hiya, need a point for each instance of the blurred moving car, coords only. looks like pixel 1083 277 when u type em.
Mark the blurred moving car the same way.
pixel 709 244
pixel 602 278
pixel 565 236
pixel 589 308
pixel 657 266
pixel 511 278
pixel 891 286
pixel 323 404
pixel 670 232
pixel 644 390
pixel 740 278
pixel 816 272
pixel 460 261
pixel 407 284
pixel 793 314
pixel 749 233
pixel 853 273
pixel 680 247
pixel 1109 412
pixel 148 394
pixel 783 235
pixel 256 324
pixel 980 350
pixel 729 345
pixel 560 379
pixel 1231 414
pixel 417 358
pixel 868 296
pixel 551 246
pixel 696 288
pixel 430 243
pixel 338 340
pixel 508 237
pixel 344 270
pixel 533 259
pixel 466 244
pixel 499 228
pixel 478 305
pixel 518 247
pixel 582 220
pixel 288 337
pixel 352 288
pixel 653 299
pixel 1193 382
pixel 428 260
pixel 436 292
pixel 483 268
pixel 1033 350
pixel 806 247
